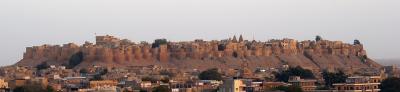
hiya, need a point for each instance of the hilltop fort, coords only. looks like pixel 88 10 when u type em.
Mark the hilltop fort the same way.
pixel 316 54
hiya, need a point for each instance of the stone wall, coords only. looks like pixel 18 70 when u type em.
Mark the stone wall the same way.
pixel 110 49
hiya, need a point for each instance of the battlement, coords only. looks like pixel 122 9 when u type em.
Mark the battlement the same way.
pixel 108 41
pixel 112 49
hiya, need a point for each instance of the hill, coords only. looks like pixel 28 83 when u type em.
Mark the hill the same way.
pixel 230 53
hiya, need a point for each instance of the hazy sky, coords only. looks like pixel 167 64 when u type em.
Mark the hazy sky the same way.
pixel 26 23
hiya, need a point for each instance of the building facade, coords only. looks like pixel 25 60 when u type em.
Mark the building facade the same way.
pixel 307 85
pixel 360 84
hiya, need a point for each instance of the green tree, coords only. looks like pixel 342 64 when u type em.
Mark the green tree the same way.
pixel 390 85
pixel 318 38
pixel 210 74
pixel 297 71
pixel 322 87
pixel 168 73
pixel 103 72
pixel 152 80
pixel 75 60
pixel 331 78
pixel 50 89
pixel 83 71
pixel 357 42
pixel 162 89
pixel 221 47
pixel 159 42
pixel 100 73
pixel 42 66
pixel 289 89
pixel 165 80
pixel 96 78
pixel 33 88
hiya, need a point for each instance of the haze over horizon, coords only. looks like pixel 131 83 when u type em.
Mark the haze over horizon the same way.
pixel 26 23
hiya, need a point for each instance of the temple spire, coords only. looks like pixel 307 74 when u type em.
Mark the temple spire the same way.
pixel 234 39
pixel 241 38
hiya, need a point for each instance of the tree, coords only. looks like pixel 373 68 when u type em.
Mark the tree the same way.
pixel 50 89
pixel 390 85
pixel 103 72
pixel 159 42
pixel 357 42
pixel 294 89
pixel 210 74
pixel 322 88
pixel 168 73
pixel 33 88
pixel 96 78
pixel 161 89
pixel 331 78
pixel 152 80
pixel 42 66
pixel 165 80
pixel 289 89
pixel 221 47
pixel 100 73
pixel 297 71
pixel 364 58
pixel 318 38
pixel 83 71
pixel 75 60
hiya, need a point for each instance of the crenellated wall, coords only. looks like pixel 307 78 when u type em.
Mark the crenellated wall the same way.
pixel 110 49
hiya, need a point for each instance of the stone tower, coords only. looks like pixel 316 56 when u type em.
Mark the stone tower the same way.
pixel 241 38
pixel 234 39
pixel 245 72
pixel 163 53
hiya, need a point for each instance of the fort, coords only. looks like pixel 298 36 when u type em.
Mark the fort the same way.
pixel 198 54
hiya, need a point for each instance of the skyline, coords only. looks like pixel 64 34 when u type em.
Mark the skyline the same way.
pixel 91 38
pixel 29 23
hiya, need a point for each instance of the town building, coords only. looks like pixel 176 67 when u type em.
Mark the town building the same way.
pixel 307 85
pixel 233 85
pixel 392 71
pixel 103 83
pixel 16 83
pixel 360 84
pixel 74 83
pixel 241 85
pixel 3 85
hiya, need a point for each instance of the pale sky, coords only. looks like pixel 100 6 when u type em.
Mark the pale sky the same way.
pixel 25 23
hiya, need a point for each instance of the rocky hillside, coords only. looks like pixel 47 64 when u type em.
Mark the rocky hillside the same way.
pixel 230 53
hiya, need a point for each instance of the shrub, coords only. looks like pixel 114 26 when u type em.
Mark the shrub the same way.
pixel 211 74
pixel 75 60
pixel 159 42
pixel 297 71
